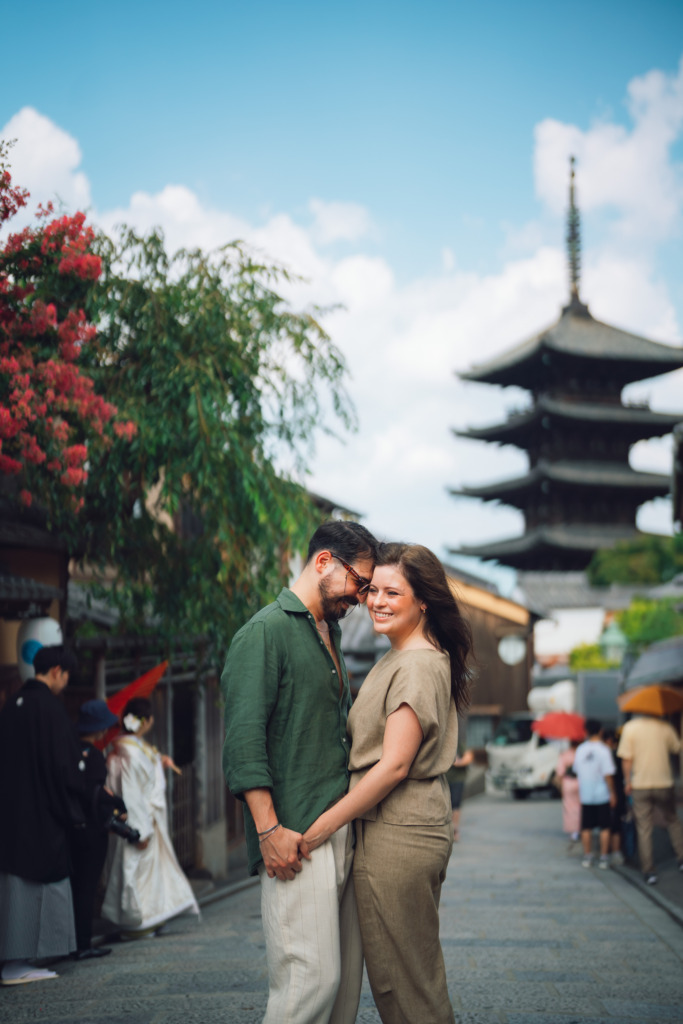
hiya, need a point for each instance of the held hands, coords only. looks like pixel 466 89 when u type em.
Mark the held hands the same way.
pixel 282 852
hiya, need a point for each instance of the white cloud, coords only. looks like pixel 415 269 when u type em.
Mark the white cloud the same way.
pixel 403 341
pixel 627 172
pixel 45 160
pixel 335 221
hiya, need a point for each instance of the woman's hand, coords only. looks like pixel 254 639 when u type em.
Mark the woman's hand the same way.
pixel 282 853
pixel 319 832
pixel 168 762
pixel 142 844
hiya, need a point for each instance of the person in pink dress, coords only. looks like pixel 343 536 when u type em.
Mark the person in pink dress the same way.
pixel 571 805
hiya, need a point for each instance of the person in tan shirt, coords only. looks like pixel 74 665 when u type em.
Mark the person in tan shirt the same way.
pixel 404 732
pixel 645 747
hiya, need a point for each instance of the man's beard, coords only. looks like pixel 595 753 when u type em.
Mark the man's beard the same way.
pixel 333 609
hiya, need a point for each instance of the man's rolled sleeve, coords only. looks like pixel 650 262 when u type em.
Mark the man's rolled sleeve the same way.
pixel 249 685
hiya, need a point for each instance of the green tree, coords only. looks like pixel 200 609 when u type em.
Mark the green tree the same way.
pixel 589 658
pixel 645 621
pixel 227 386
pixel 649 559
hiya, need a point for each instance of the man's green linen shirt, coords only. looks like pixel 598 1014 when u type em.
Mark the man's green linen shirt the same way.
pixel 285 722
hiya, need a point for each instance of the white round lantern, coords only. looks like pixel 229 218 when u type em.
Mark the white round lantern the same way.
pixel 34 634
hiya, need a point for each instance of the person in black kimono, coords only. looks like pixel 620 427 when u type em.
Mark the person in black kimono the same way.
pixel 89 845
pixel 41 802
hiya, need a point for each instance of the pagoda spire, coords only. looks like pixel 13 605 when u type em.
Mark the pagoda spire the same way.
pixel 573 240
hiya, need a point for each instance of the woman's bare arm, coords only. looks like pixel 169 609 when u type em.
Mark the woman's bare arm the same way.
pixel 402 739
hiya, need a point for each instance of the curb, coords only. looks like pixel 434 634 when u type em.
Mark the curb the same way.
pixel 229 890
pixel 650 891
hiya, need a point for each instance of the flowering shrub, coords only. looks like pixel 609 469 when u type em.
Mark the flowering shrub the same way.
pixel 53 423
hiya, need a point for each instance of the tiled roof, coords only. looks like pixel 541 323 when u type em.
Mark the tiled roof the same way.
pixel 579 335
pixel 551 590
pixel 646 421
pixel 584 474
pixel 583 537
pixel 21 589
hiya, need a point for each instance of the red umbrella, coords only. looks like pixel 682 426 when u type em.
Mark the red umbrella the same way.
pixel 560 725
pixel 141 687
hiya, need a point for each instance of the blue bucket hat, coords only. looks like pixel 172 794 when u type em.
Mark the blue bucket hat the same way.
pixel 95 716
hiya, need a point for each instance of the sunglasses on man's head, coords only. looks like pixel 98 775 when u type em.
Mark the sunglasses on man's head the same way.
pixel 360 581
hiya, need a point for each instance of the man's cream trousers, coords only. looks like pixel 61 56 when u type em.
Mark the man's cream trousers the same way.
pixel 315 960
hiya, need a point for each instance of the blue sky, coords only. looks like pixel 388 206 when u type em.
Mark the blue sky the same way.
pixel 408 159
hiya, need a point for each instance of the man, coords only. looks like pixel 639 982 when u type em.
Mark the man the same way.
pixel 287 699
pixel 40 803
pixel 594 768
pixel 88 846
pixel 645 748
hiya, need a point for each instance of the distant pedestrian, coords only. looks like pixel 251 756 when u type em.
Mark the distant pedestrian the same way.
pixel 456 776
pixel 619 813
pixel 41 794
pixel 571 803
pixel 594 767
pixel 645 747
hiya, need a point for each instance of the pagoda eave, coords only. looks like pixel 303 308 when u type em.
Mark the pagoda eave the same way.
pixel 583 475
pixel 572 546
pixel 580 340
pixel 633 422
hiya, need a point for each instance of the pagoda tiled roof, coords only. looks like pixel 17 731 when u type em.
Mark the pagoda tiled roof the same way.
pixel 579 336
pixel 584 474
pixel 581 538
pixel 645 421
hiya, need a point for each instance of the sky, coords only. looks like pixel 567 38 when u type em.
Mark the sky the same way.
pixel 410 162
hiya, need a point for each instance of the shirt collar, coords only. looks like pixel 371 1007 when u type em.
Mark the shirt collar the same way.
pixel 289 602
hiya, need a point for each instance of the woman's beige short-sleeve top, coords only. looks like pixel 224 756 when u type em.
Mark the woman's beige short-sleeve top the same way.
pixel 422 679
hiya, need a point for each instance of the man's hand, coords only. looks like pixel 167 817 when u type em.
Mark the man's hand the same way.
pixel 280 852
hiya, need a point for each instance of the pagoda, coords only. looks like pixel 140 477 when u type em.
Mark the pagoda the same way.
pixel 579 493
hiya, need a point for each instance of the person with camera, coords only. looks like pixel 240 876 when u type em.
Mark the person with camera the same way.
pixel 41 803
pixel 146 885
pixel 104 812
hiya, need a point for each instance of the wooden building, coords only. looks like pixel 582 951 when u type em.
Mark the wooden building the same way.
pixel 579 493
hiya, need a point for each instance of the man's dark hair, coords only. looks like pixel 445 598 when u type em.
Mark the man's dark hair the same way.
pixel 349 540
pixel 54 657
pixel 593 727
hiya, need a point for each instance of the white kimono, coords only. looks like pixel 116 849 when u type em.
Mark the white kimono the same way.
pixel 144 887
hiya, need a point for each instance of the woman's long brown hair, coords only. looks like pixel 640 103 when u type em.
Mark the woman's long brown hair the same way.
pixel 445 625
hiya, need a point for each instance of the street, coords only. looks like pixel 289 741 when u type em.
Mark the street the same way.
pixel 529 937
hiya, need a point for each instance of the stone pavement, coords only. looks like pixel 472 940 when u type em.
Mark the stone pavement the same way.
pixel 529 936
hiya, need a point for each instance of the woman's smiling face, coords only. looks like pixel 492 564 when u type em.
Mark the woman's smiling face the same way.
pixel 393 607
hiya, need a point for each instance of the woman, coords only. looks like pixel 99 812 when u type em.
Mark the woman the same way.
pixel 146 885
pixel 404 732
pixel 571 805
